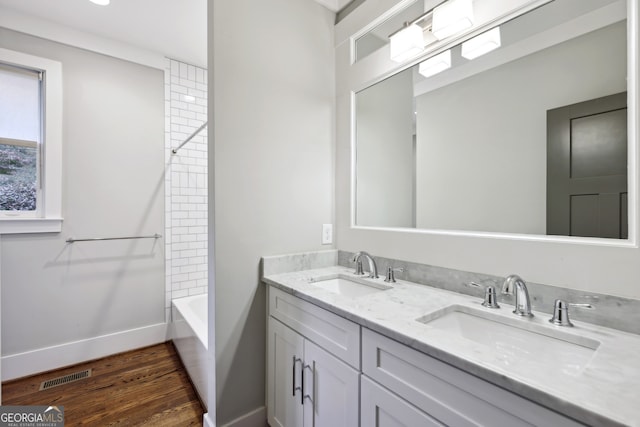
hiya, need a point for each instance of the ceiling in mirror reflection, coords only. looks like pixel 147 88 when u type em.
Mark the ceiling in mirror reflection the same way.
pixel 467 149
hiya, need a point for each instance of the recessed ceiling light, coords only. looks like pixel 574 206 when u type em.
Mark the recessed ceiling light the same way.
pixel 101 2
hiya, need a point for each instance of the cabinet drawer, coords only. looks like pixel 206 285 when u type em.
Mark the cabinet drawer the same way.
pixel 380 407
pixel 448 394
pixel 335 334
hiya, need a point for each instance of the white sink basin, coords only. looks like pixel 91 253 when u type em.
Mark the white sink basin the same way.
pixel 347 287
pixel 517 343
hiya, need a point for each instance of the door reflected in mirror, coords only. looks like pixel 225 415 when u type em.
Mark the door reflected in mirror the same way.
pixel 530 138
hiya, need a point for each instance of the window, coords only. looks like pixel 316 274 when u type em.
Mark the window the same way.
pixel 30 143
pixel 20 137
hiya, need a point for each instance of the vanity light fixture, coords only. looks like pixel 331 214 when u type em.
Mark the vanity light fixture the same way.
pixel 406 43
pixel 452 17
pixel 479 45
pixel 435 64
pixel 101 2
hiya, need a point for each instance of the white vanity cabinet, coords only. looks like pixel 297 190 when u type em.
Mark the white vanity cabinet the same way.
pixel 313 359
pixel 325 370
pixel 440 391
pixel 380 407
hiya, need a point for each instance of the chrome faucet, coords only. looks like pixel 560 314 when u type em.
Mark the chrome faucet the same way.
pixel 373 269
pixel 514 285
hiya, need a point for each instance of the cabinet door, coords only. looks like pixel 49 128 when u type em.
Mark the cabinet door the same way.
pixel 331 390
pixel 332 333
pixel 446 393
pixel 284 376
pixel 381 408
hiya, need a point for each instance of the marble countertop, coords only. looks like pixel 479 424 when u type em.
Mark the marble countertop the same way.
pixel 606 391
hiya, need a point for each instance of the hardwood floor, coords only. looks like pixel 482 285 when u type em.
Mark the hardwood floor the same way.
pixel 148 386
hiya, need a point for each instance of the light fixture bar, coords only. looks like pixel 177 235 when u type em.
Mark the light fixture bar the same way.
pixel 410 41
pixel 424 17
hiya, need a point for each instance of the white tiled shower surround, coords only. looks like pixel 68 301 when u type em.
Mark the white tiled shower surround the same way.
pixel 185 181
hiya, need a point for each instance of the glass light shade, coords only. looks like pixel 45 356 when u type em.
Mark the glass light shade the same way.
pixel 479 45
pixel 429 38
pixel 406 43
pixel 435 64
pixel 452 17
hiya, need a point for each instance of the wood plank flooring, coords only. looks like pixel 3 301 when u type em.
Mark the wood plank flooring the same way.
pixel 148 386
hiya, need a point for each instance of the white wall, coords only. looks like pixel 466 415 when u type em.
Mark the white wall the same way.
pixel 480 148
pixel 55 293
pixel 273 103
pixel 385 162
pixel 185 181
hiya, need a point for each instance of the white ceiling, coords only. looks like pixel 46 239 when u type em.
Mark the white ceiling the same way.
pixel 334 5
pixel 173 28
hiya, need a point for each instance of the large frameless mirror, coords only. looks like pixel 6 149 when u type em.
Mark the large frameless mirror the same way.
pixel 527 136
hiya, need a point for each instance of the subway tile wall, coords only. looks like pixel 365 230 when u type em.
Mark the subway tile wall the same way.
pixel 185 182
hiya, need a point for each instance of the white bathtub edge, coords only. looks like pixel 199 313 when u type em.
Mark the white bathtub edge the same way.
pixel 46 359
pixel 191 344
pixel 182 308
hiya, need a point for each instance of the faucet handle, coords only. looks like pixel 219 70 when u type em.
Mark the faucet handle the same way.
pixel 391 277
pixel 561 312
pixel 490 296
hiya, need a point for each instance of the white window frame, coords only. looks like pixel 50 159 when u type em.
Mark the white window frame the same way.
pixel 49 214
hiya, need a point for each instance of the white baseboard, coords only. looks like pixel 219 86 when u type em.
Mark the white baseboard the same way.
pixel 45 359
pixel 257 418
pixel 207 421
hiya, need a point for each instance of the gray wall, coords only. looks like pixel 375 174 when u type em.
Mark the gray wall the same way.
pixel 485 136
pixel 273 103
pixel 385 160
pixel 54 293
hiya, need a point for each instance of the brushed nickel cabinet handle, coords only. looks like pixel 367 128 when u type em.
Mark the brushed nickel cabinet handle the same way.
pixel 294 388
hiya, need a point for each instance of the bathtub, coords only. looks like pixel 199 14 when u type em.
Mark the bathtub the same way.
pixel 189 334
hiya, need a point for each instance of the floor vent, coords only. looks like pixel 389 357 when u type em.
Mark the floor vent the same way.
pixel 55 382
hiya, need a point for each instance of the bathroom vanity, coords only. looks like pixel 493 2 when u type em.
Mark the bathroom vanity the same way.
pixel 423 175
pixel 351 350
